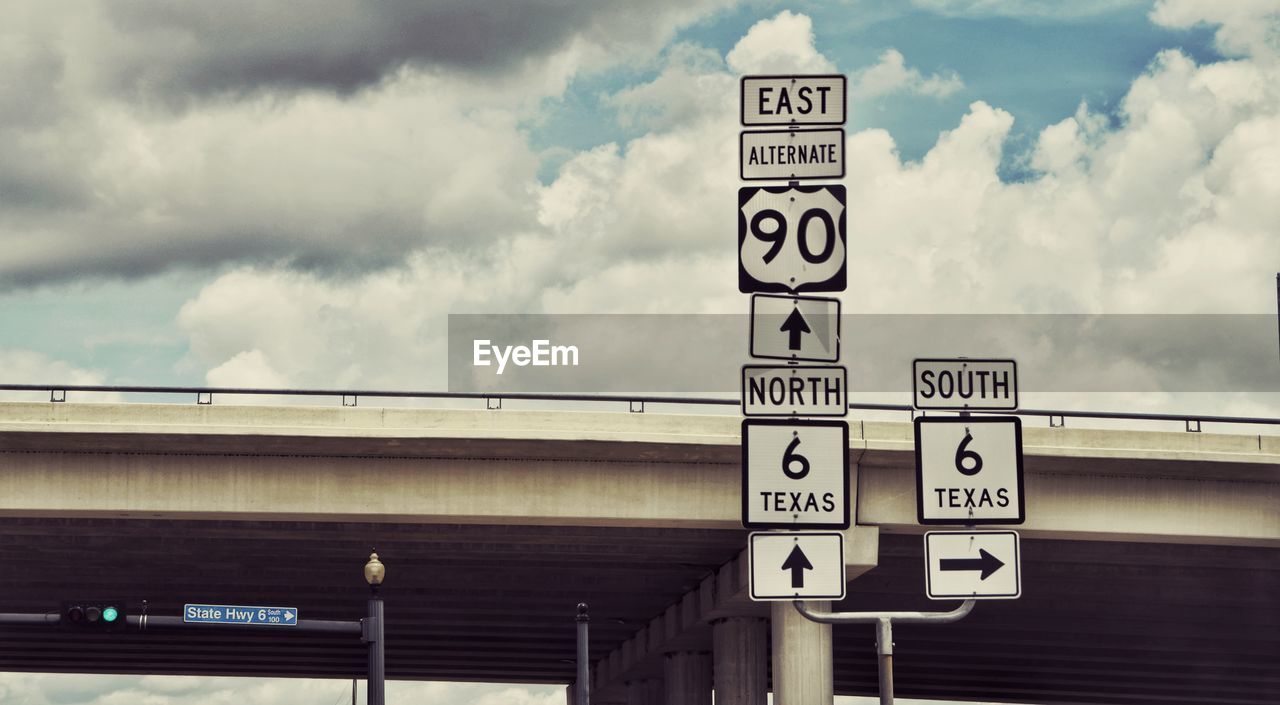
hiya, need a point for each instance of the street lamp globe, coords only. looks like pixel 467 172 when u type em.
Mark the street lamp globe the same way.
pixel 374 571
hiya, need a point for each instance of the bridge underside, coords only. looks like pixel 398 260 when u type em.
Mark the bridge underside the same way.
pixel 1099 622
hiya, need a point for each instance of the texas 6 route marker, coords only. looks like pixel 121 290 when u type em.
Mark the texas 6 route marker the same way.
pixel 792 240
pixel 969 472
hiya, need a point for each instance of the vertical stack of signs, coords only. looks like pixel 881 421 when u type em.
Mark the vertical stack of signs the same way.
pixel 791 241
pixel 969 472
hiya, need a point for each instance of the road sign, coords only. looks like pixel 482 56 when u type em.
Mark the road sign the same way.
pixel 979 565
pixel 797 565
pixel 961 384
pixel 791 154
pixel 795 474
pixel 795 328
pixel 793 100
pixel 794 390
pixel 969 470
pixel 240 615
pixel 791 239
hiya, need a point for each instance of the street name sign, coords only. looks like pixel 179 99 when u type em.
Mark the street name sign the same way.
pixel 795 328
pixel 791 154
pixel 969 470
pixel 961 384
pixel 794 390
pixel 796 565
pixel 243 615
pixel 793 100
pixel 976 565
pixel 795 474
pixel 791 239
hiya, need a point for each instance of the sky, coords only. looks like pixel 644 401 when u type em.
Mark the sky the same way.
pixel 240 194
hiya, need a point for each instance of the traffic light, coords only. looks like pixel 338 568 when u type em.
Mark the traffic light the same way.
pixel 98 615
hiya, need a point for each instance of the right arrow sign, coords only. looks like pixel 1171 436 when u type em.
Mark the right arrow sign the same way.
pixel 980 565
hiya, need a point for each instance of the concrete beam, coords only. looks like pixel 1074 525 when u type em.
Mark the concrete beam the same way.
pixel 685 626
pixel 1110 486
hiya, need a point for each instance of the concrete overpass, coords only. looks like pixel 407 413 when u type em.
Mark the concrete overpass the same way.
pixel 1149 559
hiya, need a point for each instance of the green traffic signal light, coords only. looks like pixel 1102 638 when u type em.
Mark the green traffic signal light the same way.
pixel 102 615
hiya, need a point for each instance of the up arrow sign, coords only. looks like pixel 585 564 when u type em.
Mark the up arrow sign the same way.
pixel 795 326
pixel 797 563
pixel 986 563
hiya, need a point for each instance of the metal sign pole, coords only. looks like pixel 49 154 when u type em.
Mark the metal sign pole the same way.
pixel 582 694
pixel 884 632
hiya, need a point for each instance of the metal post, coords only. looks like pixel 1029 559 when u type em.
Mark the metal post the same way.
pixel 884 632
pixel 884 649
pixel 582 696
pixel 373 634
pixel 1278 306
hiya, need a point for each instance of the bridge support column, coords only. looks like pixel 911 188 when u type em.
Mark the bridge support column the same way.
pixel 741 650
pixel 645 692
pixel 802 666
pixel 687 675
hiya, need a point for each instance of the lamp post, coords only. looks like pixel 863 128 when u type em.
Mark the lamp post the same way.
pixel 374 572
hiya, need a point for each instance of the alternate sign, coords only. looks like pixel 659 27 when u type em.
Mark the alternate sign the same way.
pixel 791 239
pixel 791 154
pixel 795 474
pixel 241 615
pixel 972 565
pixel 962 384
pixel 795 328
pixel 969 470
pixel 793 100
pixel 797 565
pixel 794 390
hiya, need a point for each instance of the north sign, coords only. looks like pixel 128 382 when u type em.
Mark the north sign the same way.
pixel 791 239
pixel 795 328
pixel 242 615
pixel 795 474
pixel 961 384
pixel 794 390
pixel 969 470
pixel 791 154
pixel 972 565
pixel 793 100
pixel 804 565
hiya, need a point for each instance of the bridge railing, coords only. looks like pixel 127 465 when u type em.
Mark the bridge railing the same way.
pixel 635 403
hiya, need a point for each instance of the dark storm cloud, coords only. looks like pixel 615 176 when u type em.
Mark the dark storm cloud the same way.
pixel 237 46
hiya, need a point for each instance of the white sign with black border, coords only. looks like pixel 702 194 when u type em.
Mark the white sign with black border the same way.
pixel 963 384
pixel 791 239
pixel 791 155
pixel 969 470
pixel 795 474
pixel 796 565
pixel 972 565
pixel 795 328
pixel 814 99
pixel 795 390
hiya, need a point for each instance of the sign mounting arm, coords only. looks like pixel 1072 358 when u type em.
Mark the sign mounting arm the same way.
pixel 884 632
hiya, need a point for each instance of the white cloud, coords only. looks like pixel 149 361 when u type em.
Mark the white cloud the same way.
pixel 1245 27
pixel 1172 210
pixel 891 75
pixel 77 689
pixel 781 45
pixel 19 366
